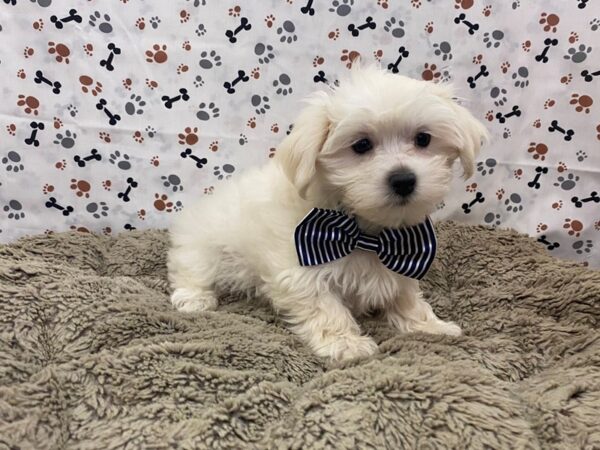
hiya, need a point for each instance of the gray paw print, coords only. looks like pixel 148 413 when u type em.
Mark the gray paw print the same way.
pixel 103 22
pixel 200 30
pixel 243 140
pixel 516 4
pixel 67 140
pixel 583 246
pixel 155 22
pixel 209 60
pixel 198 81
pixel 283 84
pixel 493 39
pixel 444 50
pixel 72 109
pixel 446 76
pixel 486 168
pixel 286 31
pixel 172 181
pixel 264 52
pixel 520 77
pixel 150 131
pixel 42 3
pixel 506 133
pixel 578 54
pixel 513 203
pixel 492 219
pixel 97 210
pixel 13 162
pixel 567 183
pixel 395 27
pixel 499 96
pixel 595 24
pixel 260 103
pixel 121 161
pixel 341 7
pixel 224 172
pixel 135 105
pixel 207 111
pixel 581 155
pixel 13 209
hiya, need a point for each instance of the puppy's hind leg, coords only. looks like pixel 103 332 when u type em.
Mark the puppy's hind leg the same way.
pixel 192 277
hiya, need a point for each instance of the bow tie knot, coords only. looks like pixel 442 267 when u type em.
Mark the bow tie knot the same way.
pixel 325 235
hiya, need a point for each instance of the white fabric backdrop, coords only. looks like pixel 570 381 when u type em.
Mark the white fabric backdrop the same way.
pixel 538 56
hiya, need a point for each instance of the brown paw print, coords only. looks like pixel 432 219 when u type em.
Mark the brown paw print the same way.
pixel 189 136
pixel 518 173
pixel 471 187
pixel 30 104
pixel 598 130
pixel 235 11
pixel 11 129
pixel 162 203
pixel 38 25
pixel 537 123
pixel 334 35
pixel 255 73
pixel 57 123
pixel 28 52
pixel 107 185
pixel 209 190
pixel 505 66
pixel 526 46
pixel 104 136
pixel 489 115
pixel 79 229
pixel 47 189
pixel 317 61
pixel 378 55
pixel 464 4
pixel 137 137
pixel 155 161
pixel 107 231
pixel 477 59
pixel 157 54
pixel 270 20
pixel 141 214
pixel 597 225
pixel 272 151
pixel 275 128
pixel 415 3
pixel 184 16
pixel 487 11
pixel 581 102
pixel 383 3
pixel 549 21
pixel 539 150
pixel 61 51
pixel 88 85
pixel 21 74
pixel 500 193
pixel 573 37
pixel 140 23
pixel 541 227
pixel 429 27
pixel 151 84
pixel 88 49
pixel 81 188
pixel 127 83
pixel 186 46
pixel 561 167
pixel 182 68
pixel 349 56
pixel 213 146
pixel 61 165
pixel 430 72
pixel 251 122
pixel 573 227
pixel 566 79
pixel 557 205
pixel 549 103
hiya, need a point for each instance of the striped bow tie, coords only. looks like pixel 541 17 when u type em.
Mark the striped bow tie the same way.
pixel 325 235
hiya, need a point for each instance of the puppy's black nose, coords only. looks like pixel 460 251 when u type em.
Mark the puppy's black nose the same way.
pixel 403 182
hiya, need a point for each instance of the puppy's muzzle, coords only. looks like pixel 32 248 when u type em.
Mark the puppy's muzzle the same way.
pixel 403 182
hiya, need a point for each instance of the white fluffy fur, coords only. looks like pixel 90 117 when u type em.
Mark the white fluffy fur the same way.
pixel 242 237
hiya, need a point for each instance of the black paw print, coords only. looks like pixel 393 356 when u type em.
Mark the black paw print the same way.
pixel 578 54
pixel 493 39
pixel 97 210
pixel 172 181
pixel 13 209
pixel 395 27
pixel 567 183
pixel 260 103
pixel 287 32
pixel 486 168
pixel 283 84
pixel 208 60
pixel 443 49
pixel 264 52
pixel 207 111
pixel 224 172
pixel 513 203
pixel 122 162
pixel 13 162
pixel 135 105
pixel 67 140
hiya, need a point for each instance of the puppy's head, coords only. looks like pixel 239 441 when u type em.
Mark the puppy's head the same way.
pixel 380 146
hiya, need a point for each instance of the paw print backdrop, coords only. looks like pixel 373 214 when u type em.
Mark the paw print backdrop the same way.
pixel 118 114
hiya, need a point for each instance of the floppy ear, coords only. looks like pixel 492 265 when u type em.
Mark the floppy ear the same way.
pixel 297 154
pixel 472 136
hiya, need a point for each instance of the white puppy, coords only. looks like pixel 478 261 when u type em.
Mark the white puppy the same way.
pixel 379 148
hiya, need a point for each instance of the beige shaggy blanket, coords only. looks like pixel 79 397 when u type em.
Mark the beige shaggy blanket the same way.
pixel 93 356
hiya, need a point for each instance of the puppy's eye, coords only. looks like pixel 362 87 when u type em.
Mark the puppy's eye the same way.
pixel 422 139
pixel 362 146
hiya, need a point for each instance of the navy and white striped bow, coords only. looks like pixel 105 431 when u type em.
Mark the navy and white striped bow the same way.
pixel 325 235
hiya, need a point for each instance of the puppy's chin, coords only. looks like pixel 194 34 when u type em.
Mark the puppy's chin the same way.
pixel 397 214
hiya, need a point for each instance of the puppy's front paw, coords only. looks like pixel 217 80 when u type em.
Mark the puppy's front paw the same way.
pixel 346 347
pixel 190 300
pixel 441 327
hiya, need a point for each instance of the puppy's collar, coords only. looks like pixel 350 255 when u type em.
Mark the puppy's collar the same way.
pixel 325 235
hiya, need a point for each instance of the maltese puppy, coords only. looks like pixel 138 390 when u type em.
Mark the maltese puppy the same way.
pixel 337 224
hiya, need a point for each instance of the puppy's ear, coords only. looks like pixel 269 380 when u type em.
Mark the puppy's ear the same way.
pixel 297 154
pixel 472 136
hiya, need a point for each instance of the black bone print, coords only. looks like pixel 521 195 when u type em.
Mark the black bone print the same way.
pixel 539 171
pixel 483 72
pixel 462 18
pixel 112 118
pixel 549 245
pixel 308 8
pixel 244 25
pixel 183 95
pixel 52 203
pixel 93 156
pixel 543 57
pixel 402 53
pixel 200 162
pixel 355 30
pixel 568 133
pixel 107 63
pixel 229 85
pixel 72 17
pixel 467 207
pixel 578 202
pixel 40 78
pixel 131 184
pixel 35 127
pixel 501 117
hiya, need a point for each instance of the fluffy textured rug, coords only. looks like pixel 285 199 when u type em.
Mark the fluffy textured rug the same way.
pixel 93 356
